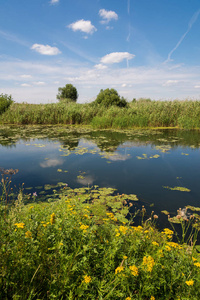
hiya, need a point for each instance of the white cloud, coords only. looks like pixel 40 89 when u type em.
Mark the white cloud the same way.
pixel 197 86
pixel 100 67
pixel 25 85
pixel 170 82
pixel 25 76
pixel 45 49
pixel 84 26
pixel 54 1
pixel 116 57
pixel 107 15
pixel 124 85
pixel 39 83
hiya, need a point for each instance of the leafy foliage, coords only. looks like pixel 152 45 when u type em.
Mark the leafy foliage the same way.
pixel 5 102
pixel 109 97
pixel 80 246
pixel 68 92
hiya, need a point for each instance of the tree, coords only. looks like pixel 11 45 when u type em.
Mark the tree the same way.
pixel 110 97
pixel 67 92
pixel 5 102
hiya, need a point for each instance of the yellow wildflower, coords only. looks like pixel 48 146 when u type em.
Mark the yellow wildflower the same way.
pixel 125 257
pixel 84 227
pixel 53 219
pixel 152 298
pixel 128 298
pixel 61 244
pixel 197 264
pixel 20 225
pixel 119 269
pixel 123 229
pixel 194 259
pixel 87 279
pixel 190 282
pixel 168 248
pixel 117 234
pixel 174 245
pixel 28 234
pixel 155 243
pixel 149 262
pixel 168 232
pixel 134 270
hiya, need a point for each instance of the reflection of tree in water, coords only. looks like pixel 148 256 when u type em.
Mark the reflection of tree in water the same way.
pixel 106 140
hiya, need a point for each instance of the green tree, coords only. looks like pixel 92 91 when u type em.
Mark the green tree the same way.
pixel 67 92
pixel 110 97
pixel 5 102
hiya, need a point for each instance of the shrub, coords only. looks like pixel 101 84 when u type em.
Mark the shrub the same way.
pixel 5 102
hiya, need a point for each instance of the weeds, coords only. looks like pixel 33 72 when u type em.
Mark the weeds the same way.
pixel 83 247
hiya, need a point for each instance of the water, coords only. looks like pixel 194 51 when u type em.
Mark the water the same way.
pixel 140 162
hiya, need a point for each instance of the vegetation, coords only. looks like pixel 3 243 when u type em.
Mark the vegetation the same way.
pixel 81 246
pixel 110 97
pixel 140 113
pixel 68 92
pixel 5 102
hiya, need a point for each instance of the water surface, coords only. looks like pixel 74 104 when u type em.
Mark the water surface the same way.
pixel 140 162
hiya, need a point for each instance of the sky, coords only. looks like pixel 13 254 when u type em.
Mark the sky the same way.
pixel 141 48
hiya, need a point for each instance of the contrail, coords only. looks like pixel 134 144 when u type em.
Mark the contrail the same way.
pixel 129 29
pixel 128 7
pixel 191 23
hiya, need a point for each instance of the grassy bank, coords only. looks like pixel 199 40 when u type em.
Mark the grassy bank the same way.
pixel 81 246
pixel 142 113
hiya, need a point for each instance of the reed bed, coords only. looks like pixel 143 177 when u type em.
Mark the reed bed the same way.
pixel 141 113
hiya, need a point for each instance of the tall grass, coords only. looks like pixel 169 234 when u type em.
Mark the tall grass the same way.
pixel 180 114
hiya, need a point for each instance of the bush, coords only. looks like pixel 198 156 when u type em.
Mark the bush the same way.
pixel 5 102
pixel 67 92
pixel 110 97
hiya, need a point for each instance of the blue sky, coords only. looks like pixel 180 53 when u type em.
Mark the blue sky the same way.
pixel 141 48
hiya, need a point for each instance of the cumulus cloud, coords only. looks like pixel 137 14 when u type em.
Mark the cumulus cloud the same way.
pixel 107 16
pixel 39 83
pixel 25 85
pixel 84 26
pixel 197 86
pixel 100 67
pixel 54 1
pixel 170 82
pixel 45 49
pixel 124 85
pixel 116 57
pixel 26 76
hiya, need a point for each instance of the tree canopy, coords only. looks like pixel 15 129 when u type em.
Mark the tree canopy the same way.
pixel 67 92
pixel 110 97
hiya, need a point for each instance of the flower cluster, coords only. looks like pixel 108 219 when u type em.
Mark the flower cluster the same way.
pixel 87 279
pixel 134 270
pixel 149 262
pixel 20 225
pixel 119 269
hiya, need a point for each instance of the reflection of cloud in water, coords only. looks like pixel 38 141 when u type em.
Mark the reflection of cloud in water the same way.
pixel 88 179
pixel 83 142
pixel 116 156
pixel 51 163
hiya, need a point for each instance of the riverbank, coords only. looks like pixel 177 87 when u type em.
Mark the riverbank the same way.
pixel 137 114
pixel 81 246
